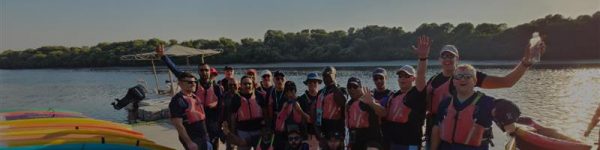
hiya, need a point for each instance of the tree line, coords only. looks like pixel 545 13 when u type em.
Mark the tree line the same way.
pixel 566 39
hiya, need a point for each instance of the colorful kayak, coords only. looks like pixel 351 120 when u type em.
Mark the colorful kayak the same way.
pixel 51 129
pixel 84 146
pixel 528 139
pixel 53 121
pixel 60 132
pixel 72 126
pixel 38 114
pixel 93 140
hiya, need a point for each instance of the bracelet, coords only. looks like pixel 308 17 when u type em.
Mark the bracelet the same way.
pixel 423 59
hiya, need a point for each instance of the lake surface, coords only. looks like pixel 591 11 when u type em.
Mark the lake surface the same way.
pixel 563 98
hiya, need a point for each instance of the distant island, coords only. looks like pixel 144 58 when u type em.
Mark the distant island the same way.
pixel 566 39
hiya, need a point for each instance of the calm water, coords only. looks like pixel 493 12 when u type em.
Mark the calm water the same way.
pixel 564 98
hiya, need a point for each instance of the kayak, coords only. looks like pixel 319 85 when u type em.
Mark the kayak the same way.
pixel 53 121
pixel 71 126
pixel 85 146
pixel 38 114
pixel 90 140
pixel 49 133
pixel 528 139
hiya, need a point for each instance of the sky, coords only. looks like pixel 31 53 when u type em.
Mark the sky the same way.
pixel 34 23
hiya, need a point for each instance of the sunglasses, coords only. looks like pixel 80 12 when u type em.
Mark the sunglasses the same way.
pixel 295 138
pixel 188 81
pixel 404 75
pixel 447 56
pixel 462 76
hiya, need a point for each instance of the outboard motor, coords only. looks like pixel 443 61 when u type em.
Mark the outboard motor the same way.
pixel 134 95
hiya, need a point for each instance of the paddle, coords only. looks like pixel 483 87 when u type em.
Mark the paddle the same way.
pixel 550 132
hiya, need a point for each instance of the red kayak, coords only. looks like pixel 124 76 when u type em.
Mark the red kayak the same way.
pixel 537 137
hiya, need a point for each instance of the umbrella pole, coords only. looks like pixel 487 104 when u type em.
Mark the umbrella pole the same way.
pixel 188 61
pixel 202 56
pixel 155 77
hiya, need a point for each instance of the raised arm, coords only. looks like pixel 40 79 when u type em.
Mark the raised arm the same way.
pixel 493 82
pixel 160 51
pixel 422 49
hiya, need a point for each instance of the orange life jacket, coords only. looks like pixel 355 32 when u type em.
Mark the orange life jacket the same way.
pixel 207 96
pixel 357 118
pixel 437 94
pixel 460 126
pixel 397 111
pixel 249 109
pixel 195 110
pixel 286 111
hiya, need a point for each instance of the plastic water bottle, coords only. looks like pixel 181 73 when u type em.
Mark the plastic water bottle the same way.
pixel 533 43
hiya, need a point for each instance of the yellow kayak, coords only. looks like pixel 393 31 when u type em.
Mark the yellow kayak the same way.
pixel 59 132
pixel 49 121
pixel 72 126
pixel 92 140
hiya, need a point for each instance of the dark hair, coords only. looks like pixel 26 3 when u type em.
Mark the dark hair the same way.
pixel 289 86
pixel 246 76
pixel 202 64
pixel 185 75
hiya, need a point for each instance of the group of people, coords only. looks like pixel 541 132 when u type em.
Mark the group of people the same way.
pixel 269 115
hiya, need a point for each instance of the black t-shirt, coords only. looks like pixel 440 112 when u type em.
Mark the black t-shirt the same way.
pixel 408 133
pixel 250 125
pixel 307 101
pixel 440 79
pixel 177 108
pixel 278 98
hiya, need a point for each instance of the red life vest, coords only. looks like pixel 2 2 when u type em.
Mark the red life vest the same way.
pixel 460 126
pixel 258 146
pixel 397 111
pixel 249 109
pixel 327 104
pixel 207 95
pixel 438 94
pixel 357 118
pixel 195 109
pixel 286 111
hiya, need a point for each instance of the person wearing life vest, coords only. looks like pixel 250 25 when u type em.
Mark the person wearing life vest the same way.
pixel 440 86
pixel 252 74
pixel 188 116
pixel 405 110
pixel 291 116
pixel 229 73
pixel 307 101
pixel 296 141
pixel 465 117
pixel 247 114
pixel 230 91
pixel 380 93
pixel 264 142
pixel 206 90
pixel 333 140
pixel 266 83
pixel 276 97
pixel 362 116
pixel 329 108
